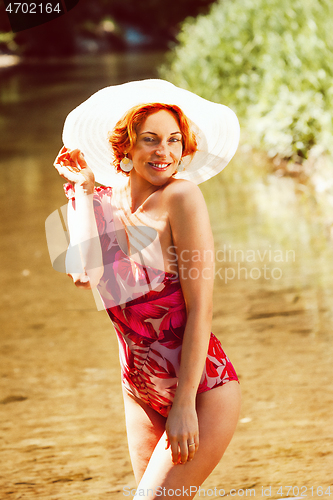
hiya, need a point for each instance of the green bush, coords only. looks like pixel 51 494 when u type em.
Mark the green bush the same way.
pixel 269 60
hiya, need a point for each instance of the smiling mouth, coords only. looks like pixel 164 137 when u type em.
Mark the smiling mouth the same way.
pixel 159 166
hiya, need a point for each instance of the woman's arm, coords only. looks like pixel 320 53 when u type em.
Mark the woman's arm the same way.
pixel 84 262
pixel 192 237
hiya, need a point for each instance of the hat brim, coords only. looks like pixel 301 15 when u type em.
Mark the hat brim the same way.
pixel 215 125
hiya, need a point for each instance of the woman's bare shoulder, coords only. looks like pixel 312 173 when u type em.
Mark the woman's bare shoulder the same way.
pixel 188 217
pixel 182 192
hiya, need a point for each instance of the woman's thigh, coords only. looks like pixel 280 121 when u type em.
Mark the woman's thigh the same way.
pixel 144 428
pixel 218 412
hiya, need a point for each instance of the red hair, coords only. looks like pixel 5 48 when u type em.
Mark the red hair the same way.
pixel 124 135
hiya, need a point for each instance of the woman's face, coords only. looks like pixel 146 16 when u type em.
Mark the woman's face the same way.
pixel 158 148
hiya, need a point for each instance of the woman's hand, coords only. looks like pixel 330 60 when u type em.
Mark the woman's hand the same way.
pixel 182 433
pixel 72 166
pixel 80 280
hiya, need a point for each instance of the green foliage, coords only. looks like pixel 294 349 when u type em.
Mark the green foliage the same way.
pixel 269 60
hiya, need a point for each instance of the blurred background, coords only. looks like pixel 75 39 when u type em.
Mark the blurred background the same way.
pixel 271 61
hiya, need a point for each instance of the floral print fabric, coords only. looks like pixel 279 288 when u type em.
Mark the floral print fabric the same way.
pixel 147 309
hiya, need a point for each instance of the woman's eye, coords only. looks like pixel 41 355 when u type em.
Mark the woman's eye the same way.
pixel 152 140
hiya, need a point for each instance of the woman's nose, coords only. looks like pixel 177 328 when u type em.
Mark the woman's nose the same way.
pixel 161 149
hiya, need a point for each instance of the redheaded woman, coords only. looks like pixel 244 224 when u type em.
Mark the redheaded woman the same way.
pixel 144 240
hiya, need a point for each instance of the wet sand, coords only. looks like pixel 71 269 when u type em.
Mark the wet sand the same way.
pixel 62 426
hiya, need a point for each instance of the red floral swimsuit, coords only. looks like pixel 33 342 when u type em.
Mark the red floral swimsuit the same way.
pixel 147 309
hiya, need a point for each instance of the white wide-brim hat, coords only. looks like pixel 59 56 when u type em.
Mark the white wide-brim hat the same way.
pixel 215 125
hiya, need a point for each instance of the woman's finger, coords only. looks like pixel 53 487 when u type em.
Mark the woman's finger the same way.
pixel 62 151
pixel 184 451
pixel 78 157
pixel 61 154
pixel 175 452
pixel 193 446
pixel 196 440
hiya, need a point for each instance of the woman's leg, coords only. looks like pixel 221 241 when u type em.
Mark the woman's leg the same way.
pixel 218 412
pixel 145 427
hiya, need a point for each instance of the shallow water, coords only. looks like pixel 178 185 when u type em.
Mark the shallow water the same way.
pixel 273 311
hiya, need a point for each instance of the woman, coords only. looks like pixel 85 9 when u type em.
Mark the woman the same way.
pixel 146 243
